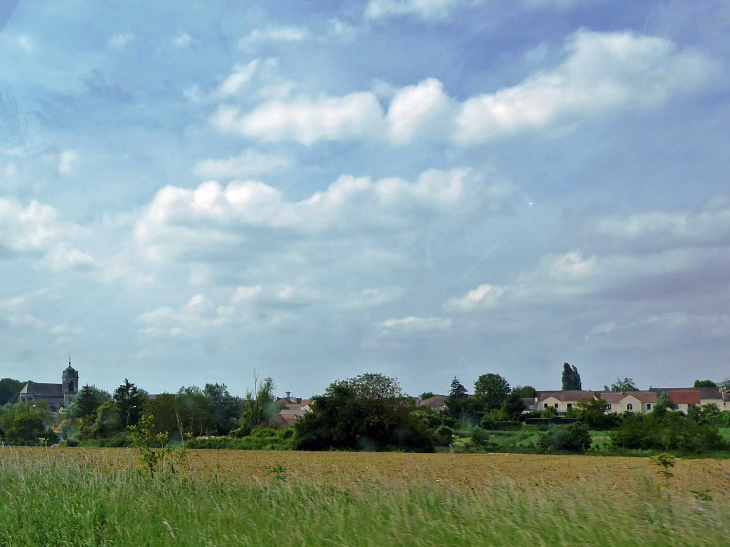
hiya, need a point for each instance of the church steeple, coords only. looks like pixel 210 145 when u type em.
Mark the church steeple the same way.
pixel 70 383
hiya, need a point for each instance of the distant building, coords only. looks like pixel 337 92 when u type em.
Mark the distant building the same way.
pixel 58 395
pixel 437 402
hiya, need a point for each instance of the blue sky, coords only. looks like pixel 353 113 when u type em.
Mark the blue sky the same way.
pixel 313 190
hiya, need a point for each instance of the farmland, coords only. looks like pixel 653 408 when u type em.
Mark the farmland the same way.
pixel 101 497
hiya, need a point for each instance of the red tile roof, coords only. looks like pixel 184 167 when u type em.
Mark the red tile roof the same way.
pixel 437 401
pixel 563 396
pixel 685 397
pixel 641 396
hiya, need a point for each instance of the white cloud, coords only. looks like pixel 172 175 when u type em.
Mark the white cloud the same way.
pixel 120 41
pixel 277 34
pixel 429 10
pixel 602 74
pixel 238 78
pixel 251 163
pixel 306 120
pixel 65 162
pixel 26 43
pixel 342 31
pixel 413 325
pixel 658 230
pixel 213 215
pixel 369 298
pixel 182 40
pixel 483 297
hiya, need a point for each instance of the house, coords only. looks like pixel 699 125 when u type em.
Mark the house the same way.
pixel 289 401
pixel 530 404
pixel 288 417
pixel 437 402
pixel 685 398
pixel 629 401
pixel 708 395
pixel 562 401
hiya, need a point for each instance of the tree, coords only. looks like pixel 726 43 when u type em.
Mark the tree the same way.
pixel 492 390
pixel 663 404
pixel 85 404
pixel 571 378
pixel 526 392
pixel 129 403
pixel 30 419
pixel 514 405
pixel 258 405
pixel 226 407
pixel 9 390
pixel 443 435
pixel 457 391
pixel 705 383
pixel 575 437
pixel 593 412
pixel 368 412
pixel 195 411
pixel 427 395
pixel 627 384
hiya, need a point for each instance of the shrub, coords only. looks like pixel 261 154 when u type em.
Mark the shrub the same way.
pixel 479 437
pixel 263 431
pixel 666 431
pixel 287 433
pixel 574 437
pixel 443 435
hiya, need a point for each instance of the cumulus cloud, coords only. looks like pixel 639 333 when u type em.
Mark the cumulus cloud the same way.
pixel 429 10
pixel 413 325
pixel 251 163
pixel 120 41
pixel 483 297
pixel 369 298
pixel 601 74
pixel 660 230
pixel 36 230
pixel 212 215
pixel 277 34
pixel 239 77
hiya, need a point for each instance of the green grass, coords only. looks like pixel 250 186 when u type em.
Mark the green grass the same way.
pixel 49 501
pixel 725 432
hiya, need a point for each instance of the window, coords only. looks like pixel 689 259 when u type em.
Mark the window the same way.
pixel 609 407
pixel 570 405
pixel 648 406
pixel 545 405
pixel 556 405
pixel 629 407
pixel 70 386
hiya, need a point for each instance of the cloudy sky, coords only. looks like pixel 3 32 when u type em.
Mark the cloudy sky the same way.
pixel 317 189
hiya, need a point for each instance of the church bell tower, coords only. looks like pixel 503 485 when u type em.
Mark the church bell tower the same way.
pixel 70 383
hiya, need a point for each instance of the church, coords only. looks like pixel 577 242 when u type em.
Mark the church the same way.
pixel 58 395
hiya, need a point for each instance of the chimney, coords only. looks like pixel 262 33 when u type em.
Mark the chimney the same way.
pixel 288 394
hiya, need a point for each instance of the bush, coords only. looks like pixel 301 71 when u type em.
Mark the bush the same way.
pixel 479 437
pixel 574 437
pixel 666 431
pixel 263 431
pixel 443 435
pixel 287 433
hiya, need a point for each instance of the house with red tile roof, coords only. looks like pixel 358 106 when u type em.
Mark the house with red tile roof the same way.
pixel 561 401
pixel 437 402
pixel 629 401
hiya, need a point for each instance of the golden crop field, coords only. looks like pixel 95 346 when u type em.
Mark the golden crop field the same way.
pixel 610 473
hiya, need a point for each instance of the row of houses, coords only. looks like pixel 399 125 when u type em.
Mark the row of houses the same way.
pixel 617 402
pixel 561 401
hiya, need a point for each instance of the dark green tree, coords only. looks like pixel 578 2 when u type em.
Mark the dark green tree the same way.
pixel 427 395
pixel 593 412
pixel 85 404
pixel 226 407
pixel 514 406
pixel 526 391
pixel 258 406
pixel 492 390
pixel 369 412
pixel 457 391
pixel 705 383
pixel 195 412
pixel 129 403
pixel 9 390
pixel 627 384
pixel 571 378
pixel 663 404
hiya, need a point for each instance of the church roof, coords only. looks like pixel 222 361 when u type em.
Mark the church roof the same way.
pixel 70 369
pixel 42 389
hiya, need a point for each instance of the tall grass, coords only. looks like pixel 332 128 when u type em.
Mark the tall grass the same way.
pixel 50 501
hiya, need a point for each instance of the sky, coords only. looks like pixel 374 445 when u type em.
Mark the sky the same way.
pixel 312 190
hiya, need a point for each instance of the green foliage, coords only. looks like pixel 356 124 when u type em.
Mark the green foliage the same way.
pixel 129 403
pixel 258 406
pixel 457 390
pixel 575 437
pixel 549 412
pixel 368 412
pixel 663 404
pixel 492 390
pixel 225 407
pixel 514 405
pixel 627 384
pixel 9 390
pixel 30 423
pixel 593 412
pixel 86 403
pixel 571 378
pixel 526 391
pixel 704 383
pixel 668 431
pixel 443 435
pixel 143 439
pixel 479 437
pixel 427 395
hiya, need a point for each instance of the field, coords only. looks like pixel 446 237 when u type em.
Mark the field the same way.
pixel 101 497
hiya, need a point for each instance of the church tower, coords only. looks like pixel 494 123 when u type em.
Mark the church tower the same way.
pixel 69 383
